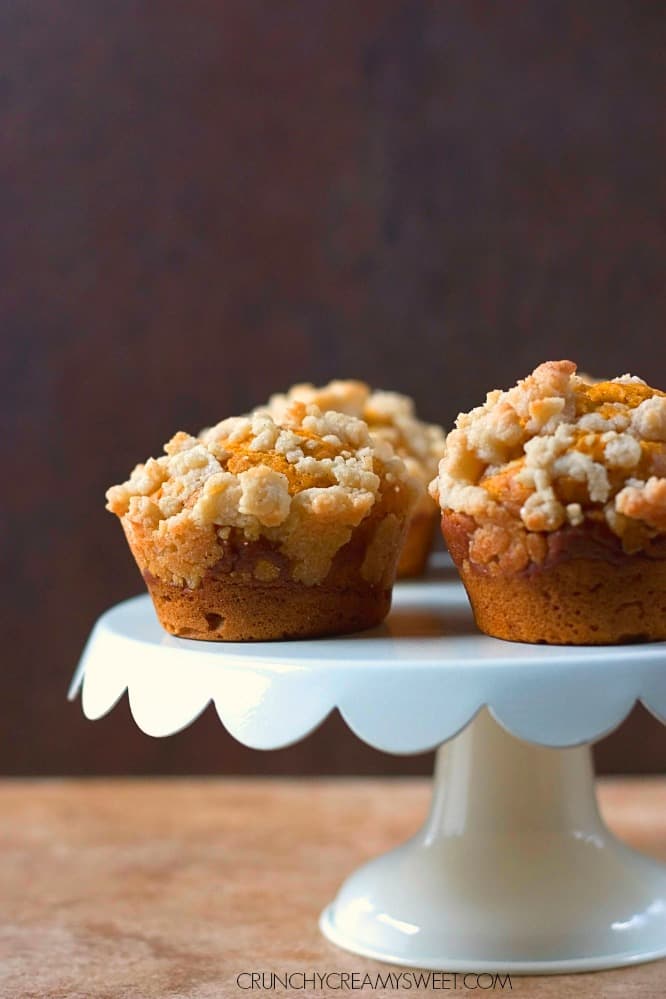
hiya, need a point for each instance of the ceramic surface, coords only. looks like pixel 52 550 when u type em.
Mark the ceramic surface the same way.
pixel 404 687
pixel 514 870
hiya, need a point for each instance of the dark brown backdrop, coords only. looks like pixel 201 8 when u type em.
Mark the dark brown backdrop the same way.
pixel 202 202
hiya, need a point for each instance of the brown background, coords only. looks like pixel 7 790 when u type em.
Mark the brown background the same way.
pixel 202 202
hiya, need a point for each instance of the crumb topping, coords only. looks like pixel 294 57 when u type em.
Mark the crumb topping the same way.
pixel 390 417
pixel 557 449
pixel 303 481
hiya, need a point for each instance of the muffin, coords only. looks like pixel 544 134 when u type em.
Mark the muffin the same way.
pixel 390 417
pixel 553 499
pixel 266 529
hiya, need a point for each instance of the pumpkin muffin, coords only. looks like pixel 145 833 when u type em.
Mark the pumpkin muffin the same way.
pixel 265 529
pixel 553 498
pixel 390 417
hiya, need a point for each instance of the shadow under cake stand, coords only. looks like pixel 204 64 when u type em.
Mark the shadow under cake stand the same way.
pixel 514 870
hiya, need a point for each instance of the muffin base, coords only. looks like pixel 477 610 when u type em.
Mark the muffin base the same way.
pixel 605 598
pixel 418 543
pixel 249 594
pixel 236 611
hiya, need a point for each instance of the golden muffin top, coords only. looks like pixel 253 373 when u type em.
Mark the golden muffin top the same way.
pixel 304 482
pixel 390 417
pixel 557 449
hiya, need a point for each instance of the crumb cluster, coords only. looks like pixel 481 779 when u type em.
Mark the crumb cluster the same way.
pixel 303 481
pixel 557 450
pixel 390 417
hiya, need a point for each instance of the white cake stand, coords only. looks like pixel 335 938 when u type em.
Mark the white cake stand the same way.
pixel 514 870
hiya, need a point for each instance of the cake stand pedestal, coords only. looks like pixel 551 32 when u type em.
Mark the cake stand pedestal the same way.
pixel 514 870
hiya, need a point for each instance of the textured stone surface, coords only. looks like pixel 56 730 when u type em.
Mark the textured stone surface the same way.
pixel 171 888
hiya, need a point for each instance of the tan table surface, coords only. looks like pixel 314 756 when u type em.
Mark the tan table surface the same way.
pixel 173 887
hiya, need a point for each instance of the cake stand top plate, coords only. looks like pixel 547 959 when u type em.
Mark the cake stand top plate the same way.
pixel 404 687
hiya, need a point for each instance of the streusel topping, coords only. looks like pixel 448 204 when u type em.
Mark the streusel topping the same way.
pixel 390 417
pixel 303 481
pixel 554 450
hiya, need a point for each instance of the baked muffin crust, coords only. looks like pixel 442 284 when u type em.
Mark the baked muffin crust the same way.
pixel 390 417
pixel 303 483
pixel 556 451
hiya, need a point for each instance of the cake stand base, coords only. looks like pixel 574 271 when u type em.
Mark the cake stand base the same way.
pixel 514 871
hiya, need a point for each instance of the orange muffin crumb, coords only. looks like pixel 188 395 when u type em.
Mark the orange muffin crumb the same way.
pixel 553 499
pixel 391 418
